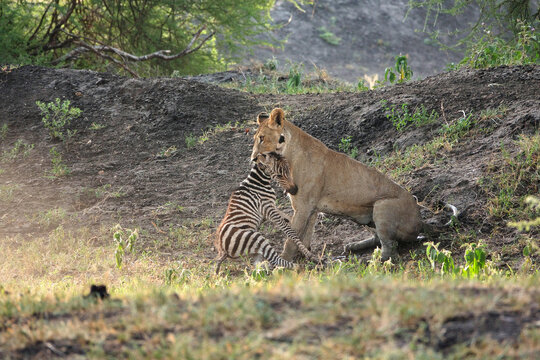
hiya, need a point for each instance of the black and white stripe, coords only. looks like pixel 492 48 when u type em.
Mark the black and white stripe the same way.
pixel 252 202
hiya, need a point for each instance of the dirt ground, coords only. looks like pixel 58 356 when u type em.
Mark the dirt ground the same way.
pixel 366 37
pixel 121 173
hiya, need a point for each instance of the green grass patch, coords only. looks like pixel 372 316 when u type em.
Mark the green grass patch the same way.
pixel 512 177
pixel 403 116
pixel 329 36
pixel 20 149
pixel 3 131
pixel 414 157
pixel 8 192
pixel 296 81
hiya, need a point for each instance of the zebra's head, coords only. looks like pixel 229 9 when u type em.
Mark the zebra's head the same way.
pixel 278 168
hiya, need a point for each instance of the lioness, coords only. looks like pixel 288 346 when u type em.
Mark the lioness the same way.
pixel 333 183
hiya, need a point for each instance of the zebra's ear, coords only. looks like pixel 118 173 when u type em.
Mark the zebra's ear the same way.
pixel 277 117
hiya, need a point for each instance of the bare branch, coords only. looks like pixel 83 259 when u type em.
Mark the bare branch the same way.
pixel 58 27
pixel 95 50
pixel 101 50
pixel 40 22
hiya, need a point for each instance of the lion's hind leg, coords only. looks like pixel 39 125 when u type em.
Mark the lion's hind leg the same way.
pixel 396 219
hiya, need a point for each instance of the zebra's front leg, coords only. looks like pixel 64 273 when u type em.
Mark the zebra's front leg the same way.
pixel 275 215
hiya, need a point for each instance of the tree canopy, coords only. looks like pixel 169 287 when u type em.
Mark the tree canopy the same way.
pixel 141 36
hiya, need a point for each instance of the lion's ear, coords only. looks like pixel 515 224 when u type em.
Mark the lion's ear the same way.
pixel 262 117
pixel 277 117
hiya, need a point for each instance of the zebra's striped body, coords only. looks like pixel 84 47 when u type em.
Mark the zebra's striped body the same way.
pixel 249 205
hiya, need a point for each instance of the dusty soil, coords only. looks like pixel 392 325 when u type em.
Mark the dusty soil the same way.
pixel 143 117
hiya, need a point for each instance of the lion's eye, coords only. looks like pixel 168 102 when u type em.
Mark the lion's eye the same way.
pixel 261 138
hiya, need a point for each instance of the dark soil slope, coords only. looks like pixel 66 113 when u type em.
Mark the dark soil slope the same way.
pixel 134 121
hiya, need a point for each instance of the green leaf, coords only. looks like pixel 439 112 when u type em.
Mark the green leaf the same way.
pixel 118 254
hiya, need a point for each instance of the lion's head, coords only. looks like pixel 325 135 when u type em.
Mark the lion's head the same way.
pixel 269 137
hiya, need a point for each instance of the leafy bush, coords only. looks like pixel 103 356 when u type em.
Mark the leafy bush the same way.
pixel 58 167
pixel 475 265
pixel 56 116
pixel 491 50
pixel 346 146
pixel 204 35
pixel 124 240
pixel 504 32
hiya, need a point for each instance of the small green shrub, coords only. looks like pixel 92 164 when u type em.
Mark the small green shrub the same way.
pixel 294 84
pixel 401 71
pixel 124 240
pixel 329 36
pixel 512 177
pixel 475 260
pixel 177 276
pixel 7 192
pixel 475 265
pixel 441 257
pixel 56 116
pixel 346 147
pixel 167 152
pixel 361 85
pixel 271 64
pixel 96 126
pixel 191 141
pixel 58 167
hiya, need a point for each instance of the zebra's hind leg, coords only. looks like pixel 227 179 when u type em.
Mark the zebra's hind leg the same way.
pixel 219 261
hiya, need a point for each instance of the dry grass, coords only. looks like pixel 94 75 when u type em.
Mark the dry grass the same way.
pixel 308 315
pixel 349 310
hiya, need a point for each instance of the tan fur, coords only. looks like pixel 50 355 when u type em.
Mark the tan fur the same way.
pixel 333 183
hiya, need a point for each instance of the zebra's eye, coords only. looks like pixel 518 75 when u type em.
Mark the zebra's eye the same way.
pixel 261 138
